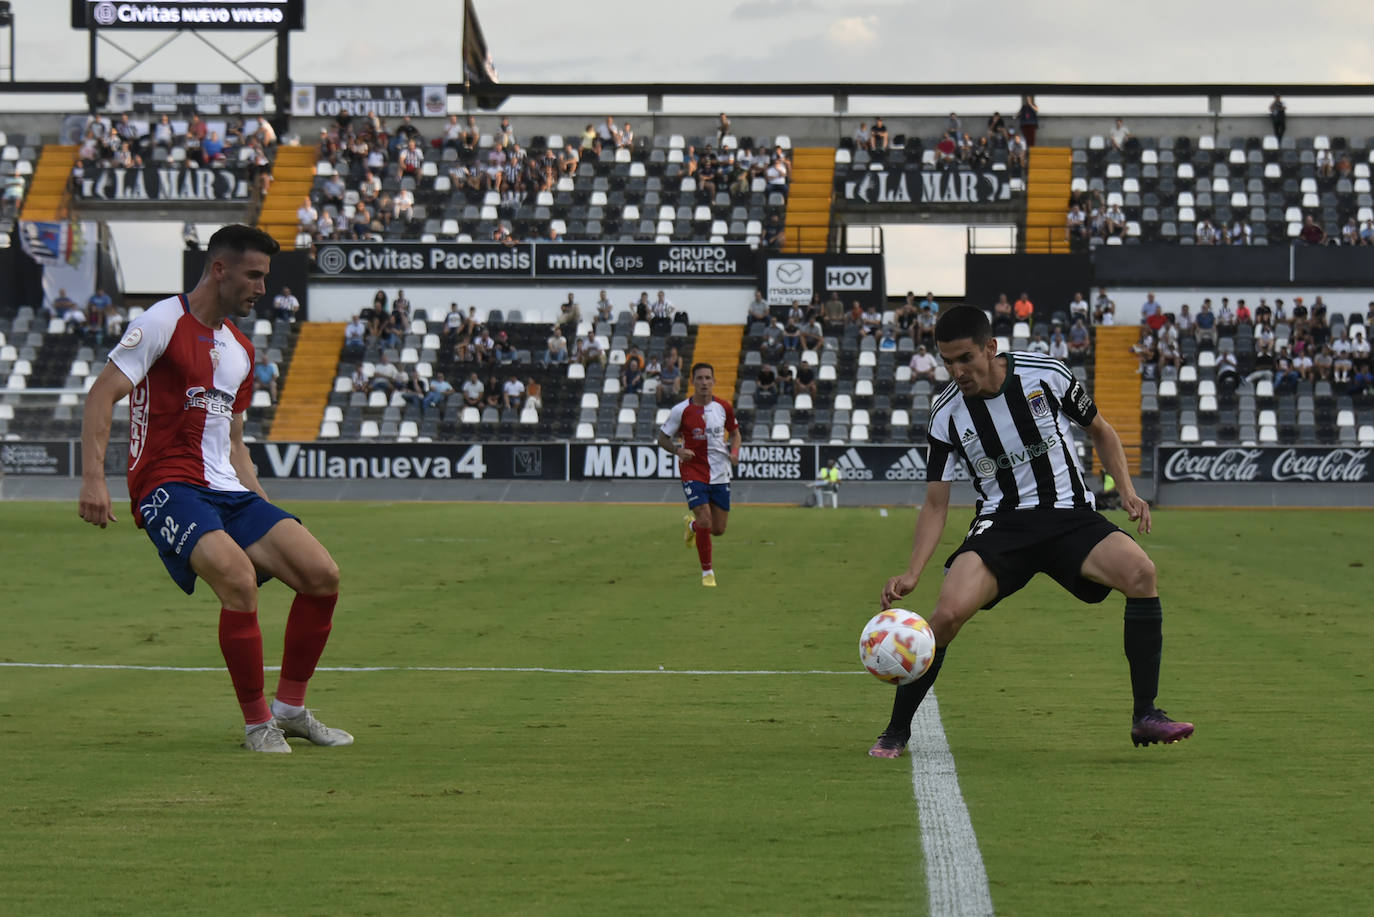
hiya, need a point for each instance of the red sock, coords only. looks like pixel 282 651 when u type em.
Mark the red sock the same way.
pixel 307 631
pixel 240 640
pixel 703 545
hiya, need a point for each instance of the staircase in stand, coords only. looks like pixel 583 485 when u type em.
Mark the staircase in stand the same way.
pixel 1048 179
pixel 293 173
pixel 1116 384
pixel 808 199
pixel 308 381
pixel 47 197
pixel 718 345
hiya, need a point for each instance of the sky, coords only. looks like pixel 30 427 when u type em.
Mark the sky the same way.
pixel 348 41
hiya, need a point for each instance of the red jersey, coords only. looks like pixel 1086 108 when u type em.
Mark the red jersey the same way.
pixel 189 381
pixel 706 431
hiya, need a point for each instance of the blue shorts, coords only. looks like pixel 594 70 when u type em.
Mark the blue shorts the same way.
pixel 699 493
pixel 175 516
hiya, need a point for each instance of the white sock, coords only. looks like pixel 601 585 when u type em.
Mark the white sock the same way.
pixel 708 572
pixel 286 711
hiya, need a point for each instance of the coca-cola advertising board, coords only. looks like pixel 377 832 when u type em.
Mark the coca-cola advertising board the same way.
pixel 1265 465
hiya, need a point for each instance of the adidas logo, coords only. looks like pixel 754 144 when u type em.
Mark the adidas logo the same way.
pixel 968 436
pixel 852 467
pixel 910 467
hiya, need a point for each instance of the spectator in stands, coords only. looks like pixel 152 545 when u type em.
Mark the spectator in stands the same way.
pixel 1119 135
pixel 1038 344
pixel 707 174
pixel 670 378
pixel 888 341
pixel 1024 309
pixel 946 150
pixel 307 217
pixel 355 336
pixel 922 364
pixel 923 331
pixel 1367 232
pixel 1079 308
pixel 325 229
pixel 212 149
pixel 505 135
pixel 1361 380
pixel 265 375
pixel 483 346
pixel 997 125
pixel 1003 315
pixel 878 139
pixel 1278 116
pixel 771 348
pixel 778 170
pixel 1286 375
pixel 758 308
pixel 1228 371
pixel 534 394
pixel 285 305
pixel 504 352
pixel 863 140
pixel 1264 339
pixel 96 308
pixel 474 392
pixel 385 375
pixel 766 386
pixel 872 321
pixel 1323 363
pixel 439 390
pixel 513 394
pixel 589 350
pixel 403 205
pixel 1077 227
pixel 360 224
pixel 813 336
pixel 359 379
pixel 13 196
pixel 661 313
pixel 72 314
pixel 1341 362
pixel 556 348
pixel 1028 119
pixel 1312 233
pixel 1059 348
pixel 774 236
pixel 1326 165
pixel 190 236
pixel 1170 350
pixel 1206 233
pixel 1080 342
pixel 411 159
pixel 632 372
pixel 569 315
pixel 791 336
pixel 605 309
pixel 1016 152
pixel 805 381
pixel 1146 349
pixel 1151 312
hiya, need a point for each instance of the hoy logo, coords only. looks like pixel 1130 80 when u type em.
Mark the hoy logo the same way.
pixel 848 278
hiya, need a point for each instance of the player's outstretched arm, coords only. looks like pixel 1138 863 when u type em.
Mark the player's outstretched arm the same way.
pixel 736 440
pixel 1108 446
pixel 930 525
pixel 110 386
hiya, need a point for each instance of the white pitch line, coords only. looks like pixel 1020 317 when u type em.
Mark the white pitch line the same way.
pixel 435 668
pixel 956 881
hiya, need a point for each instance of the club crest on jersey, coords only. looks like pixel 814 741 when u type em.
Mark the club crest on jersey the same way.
pixel 1039 404
pixel 214 358
pixel 209 400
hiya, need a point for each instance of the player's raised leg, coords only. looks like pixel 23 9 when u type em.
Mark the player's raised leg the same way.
pixel 226 569
pixel 968 586
pixel 291 554
pixel 1119 562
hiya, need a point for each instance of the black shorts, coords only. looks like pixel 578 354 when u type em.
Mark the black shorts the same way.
pixel 1018 544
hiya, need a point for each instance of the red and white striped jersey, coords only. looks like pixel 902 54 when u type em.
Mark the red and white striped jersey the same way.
pixel 706 431
pixel 189 381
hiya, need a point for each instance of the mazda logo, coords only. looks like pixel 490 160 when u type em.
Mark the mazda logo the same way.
pixel 789 272
pixel 331 260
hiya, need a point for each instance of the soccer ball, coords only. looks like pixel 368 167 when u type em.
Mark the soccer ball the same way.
pixel 897 646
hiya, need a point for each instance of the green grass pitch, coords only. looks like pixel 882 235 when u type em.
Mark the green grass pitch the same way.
pixel 505 792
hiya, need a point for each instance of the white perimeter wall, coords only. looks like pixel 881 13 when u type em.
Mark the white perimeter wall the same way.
pixel 714 305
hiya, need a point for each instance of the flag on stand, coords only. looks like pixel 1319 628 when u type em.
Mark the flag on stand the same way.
pixel 478 69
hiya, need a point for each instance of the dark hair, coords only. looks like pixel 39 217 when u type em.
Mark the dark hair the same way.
pixel 237 237
pixel 697 366
pixel 962 322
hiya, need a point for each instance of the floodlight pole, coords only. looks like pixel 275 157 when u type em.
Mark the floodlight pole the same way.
pixel 281 89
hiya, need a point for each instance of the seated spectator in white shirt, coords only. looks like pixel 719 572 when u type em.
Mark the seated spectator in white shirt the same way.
pixel 922 364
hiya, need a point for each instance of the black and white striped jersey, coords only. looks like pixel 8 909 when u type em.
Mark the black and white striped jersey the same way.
pixel 1016 444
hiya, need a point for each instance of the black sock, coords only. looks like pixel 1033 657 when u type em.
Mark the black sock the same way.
pixel 909 697
pixel 1144 639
